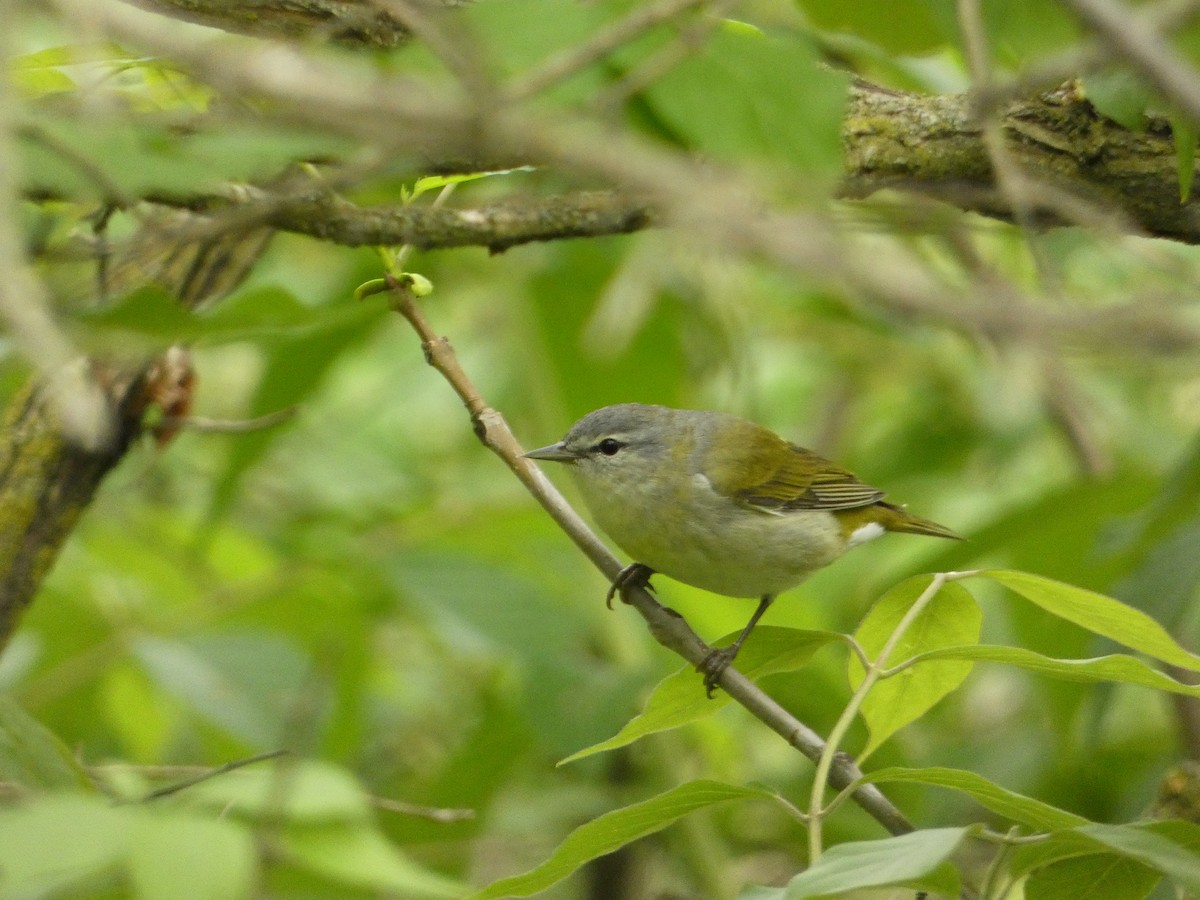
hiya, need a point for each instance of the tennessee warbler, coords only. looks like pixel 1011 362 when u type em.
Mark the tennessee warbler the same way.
pixel 719 503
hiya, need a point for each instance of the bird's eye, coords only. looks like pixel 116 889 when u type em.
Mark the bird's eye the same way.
pixel 609 446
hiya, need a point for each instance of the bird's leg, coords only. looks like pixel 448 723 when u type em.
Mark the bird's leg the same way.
pixel 634 575
pixel 719 658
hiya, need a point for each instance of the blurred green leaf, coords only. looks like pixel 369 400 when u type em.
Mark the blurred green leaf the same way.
pixel 31 756
pixel 1098 613
pixel 914 860
pixel 1119 95
pixel 294 364
pixel 357 855
pixel 615 829
pixel 680 698
pixel 238 681
pixel 904 27
pixel 745 92
pixel 300 791
pixel 54 842
pixel 951 618
pixel 1020 31
pixel 1003 802
pixel 174 855
pixel 1185 136
pixel 85 158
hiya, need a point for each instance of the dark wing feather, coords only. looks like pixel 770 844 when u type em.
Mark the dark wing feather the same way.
pixel 790 478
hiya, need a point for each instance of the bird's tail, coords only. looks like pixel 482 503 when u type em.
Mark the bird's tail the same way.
pixel 905 522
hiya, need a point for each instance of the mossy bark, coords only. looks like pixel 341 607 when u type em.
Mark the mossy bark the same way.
pixel 47 479
pixel 1097 169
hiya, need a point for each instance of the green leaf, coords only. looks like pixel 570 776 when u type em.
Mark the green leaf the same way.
pixel 177 855
pixel 614 830
pixel 1099 614
pixel 1003 802
pixel 1100 876
pixel 748 94
pixel 360 856
pixel 307 791
pixel 1116 667
pixel 1119 95
pixel 89 158
pixel 31 756
pixel 235 680
pixel 952 618
pixel 906 27
pixel 53 842
pixel 1184 132
pixel 679 698
pixel 1169 847
pixel 911 859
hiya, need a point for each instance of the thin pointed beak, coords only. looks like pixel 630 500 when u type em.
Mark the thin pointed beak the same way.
pixel 553 453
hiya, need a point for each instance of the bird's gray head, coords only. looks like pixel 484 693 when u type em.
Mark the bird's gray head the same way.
pixel 613 436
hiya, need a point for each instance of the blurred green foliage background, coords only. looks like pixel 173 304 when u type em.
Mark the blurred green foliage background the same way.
pixel 366 586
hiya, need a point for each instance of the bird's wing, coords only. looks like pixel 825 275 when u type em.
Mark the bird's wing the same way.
pixel 794 478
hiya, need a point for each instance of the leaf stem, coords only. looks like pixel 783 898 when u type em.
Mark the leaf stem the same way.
pixel 873 672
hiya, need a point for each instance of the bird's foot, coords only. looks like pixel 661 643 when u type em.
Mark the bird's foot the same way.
pixel 633 576
pixel 713 666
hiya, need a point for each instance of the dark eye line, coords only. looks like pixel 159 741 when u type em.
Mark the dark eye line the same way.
pixel 609 446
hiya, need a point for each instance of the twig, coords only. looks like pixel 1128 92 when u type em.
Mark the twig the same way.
pixel 231 426
pixel 667 627
pixel 211 773
pixel 571 60
pixel 434 813
pixel 873 672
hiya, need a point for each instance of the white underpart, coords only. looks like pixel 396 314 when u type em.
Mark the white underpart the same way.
pixel 864 533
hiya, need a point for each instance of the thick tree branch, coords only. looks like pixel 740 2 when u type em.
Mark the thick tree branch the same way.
pixel 47 479
pixel 584 214
pixel 1091 170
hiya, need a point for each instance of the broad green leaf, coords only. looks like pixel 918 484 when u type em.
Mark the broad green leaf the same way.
pixel 1159 845
pixel 951 618
pixel 55 841
pixel 1100 876
pixel 31 756
pixel 1100 614
pixel 307 791
pixel 613 830
pixel 357 854
pixel 176 855
pixel 1116 667
pixel 679 698
pixel 1003 802
pixel 910 859
pixel 748 94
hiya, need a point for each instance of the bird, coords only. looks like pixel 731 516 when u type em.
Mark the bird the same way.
pixel 720 503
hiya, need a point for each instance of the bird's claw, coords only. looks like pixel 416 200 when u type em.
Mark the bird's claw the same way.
pixel 713 666
pixel 633 576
